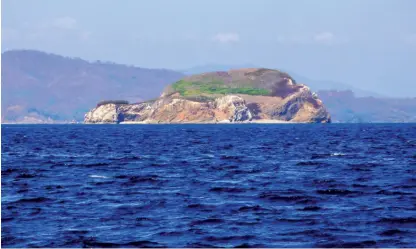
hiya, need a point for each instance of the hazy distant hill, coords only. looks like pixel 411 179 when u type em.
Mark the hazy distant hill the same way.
pixel 319 85
pixel 344 106
pixel 38 85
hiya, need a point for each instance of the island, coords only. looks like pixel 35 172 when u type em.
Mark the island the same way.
pixel 250 95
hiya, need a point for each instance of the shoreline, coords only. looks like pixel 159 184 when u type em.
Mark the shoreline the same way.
pixel 262 121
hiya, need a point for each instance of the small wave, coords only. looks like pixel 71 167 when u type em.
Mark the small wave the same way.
pixel 171 233
pixel 197 142
pixel 338 154
pixel 251 208
pixel 75 231
pixel 137 244
pixel 405 220
pixel 98 176
pixel 209 221
pixel 143 219
pixel 125 159
pixel 310 208
pixel 392 232
pixel 9 171
pixel 247 245
pixel 23 190
pixel 200 245
pixel 227 147
pixel 129 209
pixel 365 165
pixel 247 223
pixel 386 192
pixel 103 183
pixel 341 244
pixel 36 211
pixel 49 187
pixel 229 238
pixel 311 163
pixel 357 185
pixel 231 158
pixel 94 164
pixel 288 220
pixel 288 198
pixel 202 207
pixel 141 179
pixel 33 200
pixel 319 156
pixel 6 219
pixel 227 190
pixel 26 175
pixel 336 192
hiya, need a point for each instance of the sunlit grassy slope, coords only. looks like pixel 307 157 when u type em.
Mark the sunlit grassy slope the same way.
pixel 187 88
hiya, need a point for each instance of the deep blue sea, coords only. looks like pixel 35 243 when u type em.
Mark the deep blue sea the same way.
pixel 331 185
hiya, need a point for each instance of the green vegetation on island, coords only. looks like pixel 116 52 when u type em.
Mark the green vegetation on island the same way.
pixel 187 88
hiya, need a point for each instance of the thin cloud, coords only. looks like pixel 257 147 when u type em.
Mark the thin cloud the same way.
pixel 226 38
pixel 324 37
pixel 65 23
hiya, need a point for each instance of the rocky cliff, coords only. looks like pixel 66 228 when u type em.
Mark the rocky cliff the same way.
pixel 244 95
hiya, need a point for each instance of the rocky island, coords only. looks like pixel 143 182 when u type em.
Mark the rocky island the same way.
pixel 243 95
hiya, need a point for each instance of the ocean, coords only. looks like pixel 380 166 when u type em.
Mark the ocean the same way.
pixel 243 185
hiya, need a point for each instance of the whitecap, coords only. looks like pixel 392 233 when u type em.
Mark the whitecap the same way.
pixel 97 176
pixel 337 154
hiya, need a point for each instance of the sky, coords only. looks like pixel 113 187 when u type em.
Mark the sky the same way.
pixel 369 44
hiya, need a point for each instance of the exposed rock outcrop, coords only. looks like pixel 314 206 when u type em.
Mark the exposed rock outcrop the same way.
pixel 117 113
pixel 247 95
pixel 234 108
pixel 230 108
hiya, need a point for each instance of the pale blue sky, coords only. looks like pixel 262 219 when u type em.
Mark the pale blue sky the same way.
pixel 366 43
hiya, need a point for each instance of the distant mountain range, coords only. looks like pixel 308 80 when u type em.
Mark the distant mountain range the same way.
pixel 346 107
pixel 41 87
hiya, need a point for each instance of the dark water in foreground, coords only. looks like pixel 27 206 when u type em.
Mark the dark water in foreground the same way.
pixel 208 185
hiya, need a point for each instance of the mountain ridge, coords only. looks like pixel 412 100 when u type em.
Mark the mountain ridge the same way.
pixel 67 87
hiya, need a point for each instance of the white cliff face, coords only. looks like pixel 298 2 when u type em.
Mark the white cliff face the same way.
pixel 134 112
pixel 116 113
pixel 175 110
pixel 299 107
pixel 235 107
pixel 102 114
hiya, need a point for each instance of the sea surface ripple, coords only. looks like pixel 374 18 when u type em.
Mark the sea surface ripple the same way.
pixel 251 185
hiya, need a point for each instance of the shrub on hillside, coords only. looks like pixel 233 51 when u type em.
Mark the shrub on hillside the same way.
pixel 116 102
